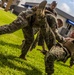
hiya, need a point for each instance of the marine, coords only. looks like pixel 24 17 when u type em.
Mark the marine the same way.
pixel 59 52
pixel 48 10
pixel 24 22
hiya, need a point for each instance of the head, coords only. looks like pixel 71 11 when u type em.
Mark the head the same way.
pixel 72 34
pixel 53 5
pixel 60 23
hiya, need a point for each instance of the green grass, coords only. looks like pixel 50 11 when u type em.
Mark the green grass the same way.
pixel 10 50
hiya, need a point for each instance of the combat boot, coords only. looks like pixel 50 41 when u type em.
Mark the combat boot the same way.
pixel 22 57
pixel 49 74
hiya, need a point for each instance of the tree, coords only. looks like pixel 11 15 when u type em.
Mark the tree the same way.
pixel 3 2
pixel 8 5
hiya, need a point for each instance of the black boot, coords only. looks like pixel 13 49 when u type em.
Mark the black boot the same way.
pixel 49 74
pixel 22 57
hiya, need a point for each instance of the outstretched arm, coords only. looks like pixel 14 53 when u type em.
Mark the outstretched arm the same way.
pixel 17 24
pixel 14 26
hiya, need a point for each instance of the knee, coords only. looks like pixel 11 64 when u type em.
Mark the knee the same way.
pixel 49 57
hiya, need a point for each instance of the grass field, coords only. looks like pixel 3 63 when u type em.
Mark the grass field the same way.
pixel 10 50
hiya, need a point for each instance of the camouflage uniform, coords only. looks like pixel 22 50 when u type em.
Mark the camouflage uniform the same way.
pixel 51 32
pixel 60 53
pixel 47 33
pixel 21 23
pixel 25 21
pixel 49 11
pixel 40 39
pixel 50 35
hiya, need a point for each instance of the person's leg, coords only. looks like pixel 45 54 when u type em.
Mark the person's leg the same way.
pixel 28 34
pixel 49 63
pixel 41 39
pixel 34 42
pixel 41 43
pixel 49 37
pixel 38 12
pixel 44 51
pixel 55 53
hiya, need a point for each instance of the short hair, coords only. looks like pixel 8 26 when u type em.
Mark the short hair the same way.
pixel 54 2
pixel 60 20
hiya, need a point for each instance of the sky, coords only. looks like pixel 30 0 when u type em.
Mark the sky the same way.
pixel 65 5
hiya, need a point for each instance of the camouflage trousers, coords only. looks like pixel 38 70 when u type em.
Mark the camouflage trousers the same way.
pixel 39 39
pixel 29 38
pixel 55 53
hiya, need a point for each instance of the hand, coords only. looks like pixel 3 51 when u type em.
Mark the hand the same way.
pixel 67 39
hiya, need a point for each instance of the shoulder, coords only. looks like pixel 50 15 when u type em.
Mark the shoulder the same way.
pixel 51 17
